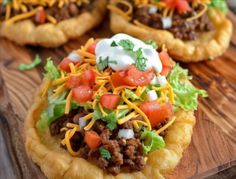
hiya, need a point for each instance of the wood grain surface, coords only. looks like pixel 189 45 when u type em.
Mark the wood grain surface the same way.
pixel 213 146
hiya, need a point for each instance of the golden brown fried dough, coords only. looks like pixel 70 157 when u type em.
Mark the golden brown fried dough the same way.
pixel 50 35
pixel 207 46
pixel 56 162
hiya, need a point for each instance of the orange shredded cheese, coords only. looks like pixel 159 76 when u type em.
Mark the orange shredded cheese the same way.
pixel 68 101
pixel 136 108
pixel 68 135
pixel 91 123
pixel 166 125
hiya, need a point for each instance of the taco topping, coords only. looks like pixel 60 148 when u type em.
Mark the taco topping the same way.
pixel 42 11
pixel 183 18
pixel 110 102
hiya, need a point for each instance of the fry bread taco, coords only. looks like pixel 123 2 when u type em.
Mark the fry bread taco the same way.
pixel 115 108
pixel 48 23
pixel 192 30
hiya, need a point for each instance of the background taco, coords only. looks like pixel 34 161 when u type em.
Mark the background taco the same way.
pixel 48 23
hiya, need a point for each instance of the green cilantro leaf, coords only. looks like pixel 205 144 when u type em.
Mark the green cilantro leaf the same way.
pixel 141 60
pixel 113 44
pixel 105 153
pixel 152 43
pixel 111 120
pixel 126 44
pixel 103 63
pixel 32 65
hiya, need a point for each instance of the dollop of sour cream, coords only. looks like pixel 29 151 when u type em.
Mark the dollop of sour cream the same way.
pixel 104 49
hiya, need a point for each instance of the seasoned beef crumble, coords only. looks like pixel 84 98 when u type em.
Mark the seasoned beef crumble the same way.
pixel 126 154
pixel 180 28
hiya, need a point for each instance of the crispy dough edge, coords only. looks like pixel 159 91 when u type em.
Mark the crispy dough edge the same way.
pixel 59 164
pixel 207 46
pixel 50 35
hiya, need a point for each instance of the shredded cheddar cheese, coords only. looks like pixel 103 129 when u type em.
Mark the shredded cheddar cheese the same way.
pixel 126 118
pixel 68 101
pixel 68 135
pixel 136 108
pixel 91 123
pixel 166 125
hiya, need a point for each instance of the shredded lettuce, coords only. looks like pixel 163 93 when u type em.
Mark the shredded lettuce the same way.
pixel 55 109
pixel 37 60
pixel 185 93
pixel 152 141
pixel 122 113
pixel 51 70
pixel 220 5
pixel 131 95
pixel 97 114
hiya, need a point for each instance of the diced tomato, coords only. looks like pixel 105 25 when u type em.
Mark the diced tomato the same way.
pixel 73 82
pixel 40 16
pixel 182 6
pixel 132 77
pixel 165 58
pixel 117 78
pixel 64 64
pixel 82 93
pixel 92 139
pixel 91 48
pixel 88 77
pixel 136 77
pixel 165 70
pixel 170 3
pixel 110 101
pixel 155 112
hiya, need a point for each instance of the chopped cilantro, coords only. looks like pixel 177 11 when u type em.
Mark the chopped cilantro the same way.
pixel 32 65
pixel 141 60
pixel 103 63
pixel 105 153
pixel 128 45
pixel 111 120
pixel 113 44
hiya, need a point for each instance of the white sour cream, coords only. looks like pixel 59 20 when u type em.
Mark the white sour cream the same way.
pixel 124 58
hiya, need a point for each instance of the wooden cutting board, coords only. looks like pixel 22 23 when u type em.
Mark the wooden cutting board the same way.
pixel 213 146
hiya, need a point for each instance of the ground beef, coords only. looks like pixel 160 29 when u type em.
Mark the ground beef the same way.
pixel 127 125
pixel 180 28
pixel 126 155
pixel 61 122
